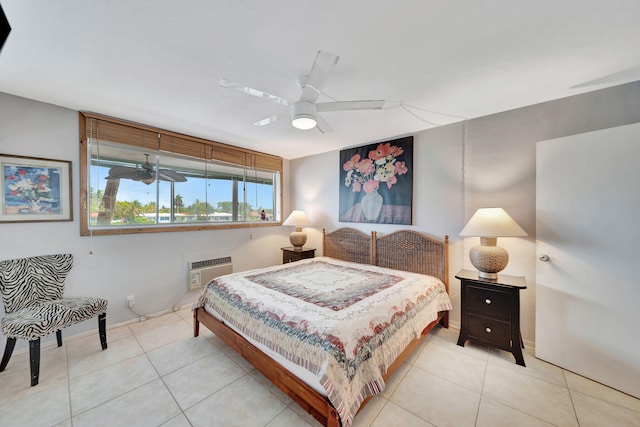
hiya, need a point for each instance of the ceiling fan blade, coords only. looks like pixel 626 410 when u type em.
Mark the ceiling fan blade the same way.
pixel 170 175
pixel 266 121
pixel 322 125
pixel 318 75
pixel 126 172
pixel 350 105
pixel 253 92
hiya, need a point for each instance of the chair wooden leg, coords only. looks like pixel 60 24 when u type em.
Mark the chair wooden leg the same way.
pixel 8 351
pixel 34 360
pixel 102 329
pixel 59 337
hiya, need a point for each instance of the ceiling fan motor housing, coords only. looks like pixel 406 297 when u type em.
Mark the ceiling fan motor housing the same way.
pixel 303 115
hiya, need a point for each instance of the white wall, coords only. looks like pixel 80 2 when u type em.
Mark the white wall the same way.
pixel 458 170
pixel 151 266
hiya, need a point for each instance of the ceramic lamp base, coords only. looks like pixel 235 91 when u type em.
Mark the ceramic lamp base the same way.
pixel 488 258
pixel 298 239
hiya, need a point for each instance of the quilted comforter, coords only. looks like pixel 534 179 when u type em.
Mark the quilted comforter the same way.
pixel 344 322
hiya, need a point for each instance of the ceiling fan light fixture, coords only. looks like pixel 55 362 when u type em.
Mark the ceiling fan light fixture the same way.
pixel 304 121
pixel 303 115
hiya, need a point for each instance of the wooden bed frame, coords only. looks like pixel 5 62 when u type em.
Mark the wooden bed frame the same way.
pixel 402 250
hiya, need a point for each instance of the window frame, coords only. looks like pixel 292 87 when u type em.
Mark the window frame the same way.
pixel 167 142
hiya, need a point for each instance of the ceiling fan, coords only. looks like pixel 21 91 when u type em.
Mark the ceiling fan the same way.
pixel 304 112
pixel 145 173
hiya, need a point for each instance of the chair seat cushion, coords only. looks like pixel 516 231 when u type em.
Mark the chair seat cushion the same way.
pixel 43 318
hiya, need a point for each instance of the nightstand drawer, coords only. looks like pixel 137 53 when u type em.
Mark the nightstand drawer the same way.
pixel 489 301
pixel 491 330
pixel 291 255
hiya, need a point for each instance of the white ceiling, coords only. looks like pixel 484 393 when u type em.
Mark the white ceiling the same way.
pixel 158 62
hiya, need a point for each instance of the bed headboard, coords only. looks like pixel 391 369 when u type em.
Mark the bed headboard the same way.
pixel 348 244
pixel 409 250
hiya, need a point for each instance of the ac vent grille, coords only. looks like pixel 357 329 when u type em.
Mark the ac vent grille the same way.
pixel 210 262
pixel 202 272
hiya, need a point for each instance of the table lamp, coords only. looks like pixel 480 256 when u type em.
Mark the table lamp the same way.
pixel 297 237
pixel 489 224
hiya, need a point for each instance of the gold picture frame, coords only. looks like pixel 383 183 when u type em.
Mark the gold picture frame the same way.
pixel 35 189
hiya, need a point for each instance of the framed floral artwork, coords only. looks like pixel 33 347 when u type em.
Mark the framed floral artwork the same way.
pixel 34 189
pixel 376 183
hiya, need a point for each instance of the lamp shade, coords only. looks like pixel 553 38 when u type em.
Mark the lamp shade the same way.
pixel 297 219
pixel 492 222
pixel 297 238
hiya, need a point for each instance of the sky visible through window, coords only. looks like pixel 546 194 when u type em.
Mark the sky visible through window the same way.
pixel 258 195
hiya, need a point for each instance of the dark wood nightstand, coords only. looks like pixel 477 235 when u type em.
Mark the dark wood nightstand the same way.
pixel 291 255
pixel 490 311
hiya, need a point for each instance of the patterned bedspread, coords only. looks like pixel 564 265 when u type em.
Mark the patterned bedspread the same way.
pixel 344 322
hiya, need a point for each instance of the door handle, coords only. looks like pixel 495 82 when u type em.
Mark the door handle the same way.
pixel 544 258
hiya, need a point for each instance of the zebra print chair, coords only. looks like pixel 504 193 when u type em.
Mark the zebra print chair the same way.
pixel 32 292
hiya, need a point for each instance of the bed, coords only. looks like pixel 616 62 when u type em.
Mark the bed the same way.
pixel 293 334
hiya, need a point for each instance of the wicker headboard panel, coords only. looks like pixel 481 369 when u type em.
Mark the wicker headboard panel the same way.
pixel 348 244
pixel 412 251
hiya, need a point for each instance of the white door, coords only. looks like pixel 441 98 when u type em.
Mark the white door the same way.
pixel 588 225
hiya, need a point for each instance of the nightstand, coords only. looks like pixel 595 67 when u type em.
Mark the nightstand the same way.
pixel 490 311
pixel 291 255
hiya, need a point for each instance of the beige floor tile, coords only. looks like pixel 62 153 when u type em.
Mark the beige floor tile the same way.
pixel 97 359
pixel 148 405
pixel 449 337
pixel 174 356
pixel 204 374
pixel 392 383
pixel 530 395
pixel 494 414
pixel 436 400
pixel 536 368
pixel 200 379
pixel 95 388
pixel 164 334
pixel 15 381
pixel 444 360
pixel 591 388
pixel 593 412
pixel 140 327
pixel 393 415
pixel 239 360
pixel 370 411
pixel 177 421
pixel 257 375
pixel 86 344
pixel 288 418
pixel 244 403
pixel 42 407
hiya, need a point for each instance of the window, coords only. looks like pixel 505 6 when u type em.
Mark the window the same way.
pixel 139 179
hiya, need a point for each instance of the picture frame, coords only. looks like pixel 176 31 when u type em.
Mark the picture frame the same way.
pixel 34 189
pixel 376 183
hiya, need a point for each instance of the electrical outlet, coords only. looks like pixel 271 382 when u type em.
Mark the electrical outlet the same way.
pixel 130 300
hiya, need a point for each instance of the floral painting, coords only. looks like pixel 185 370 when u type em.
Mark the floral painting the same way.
pixel 35 189
pixel 376 183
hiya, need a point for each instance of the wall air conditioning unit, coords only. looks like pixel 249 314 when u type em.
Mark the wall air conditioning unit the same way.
pixel 202 272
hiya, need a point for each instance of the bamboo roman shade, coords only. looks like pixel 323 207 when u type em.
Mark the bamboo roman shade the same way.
pixel 97 127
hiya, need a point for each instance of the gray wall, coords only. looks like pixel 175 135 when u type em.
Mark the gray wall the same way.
pixel 485 162
pixel 151 266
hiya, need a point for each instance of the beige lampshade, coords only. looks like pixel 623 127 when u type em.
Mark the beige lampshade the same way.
pixel 297 219
pixel 489 224
pixel 492 222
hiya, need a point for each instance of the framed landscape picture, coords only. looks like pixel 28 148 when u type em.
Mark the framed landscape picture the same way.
pixel 376 183
pixel 34 189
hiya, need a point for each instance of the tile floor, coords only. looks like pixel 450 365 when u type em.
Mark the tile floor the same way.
pixel 155 373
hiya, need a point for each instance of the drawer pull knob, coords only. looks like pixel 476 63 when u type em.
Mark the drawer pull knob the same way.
pixel 487 330
pixel 487 301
